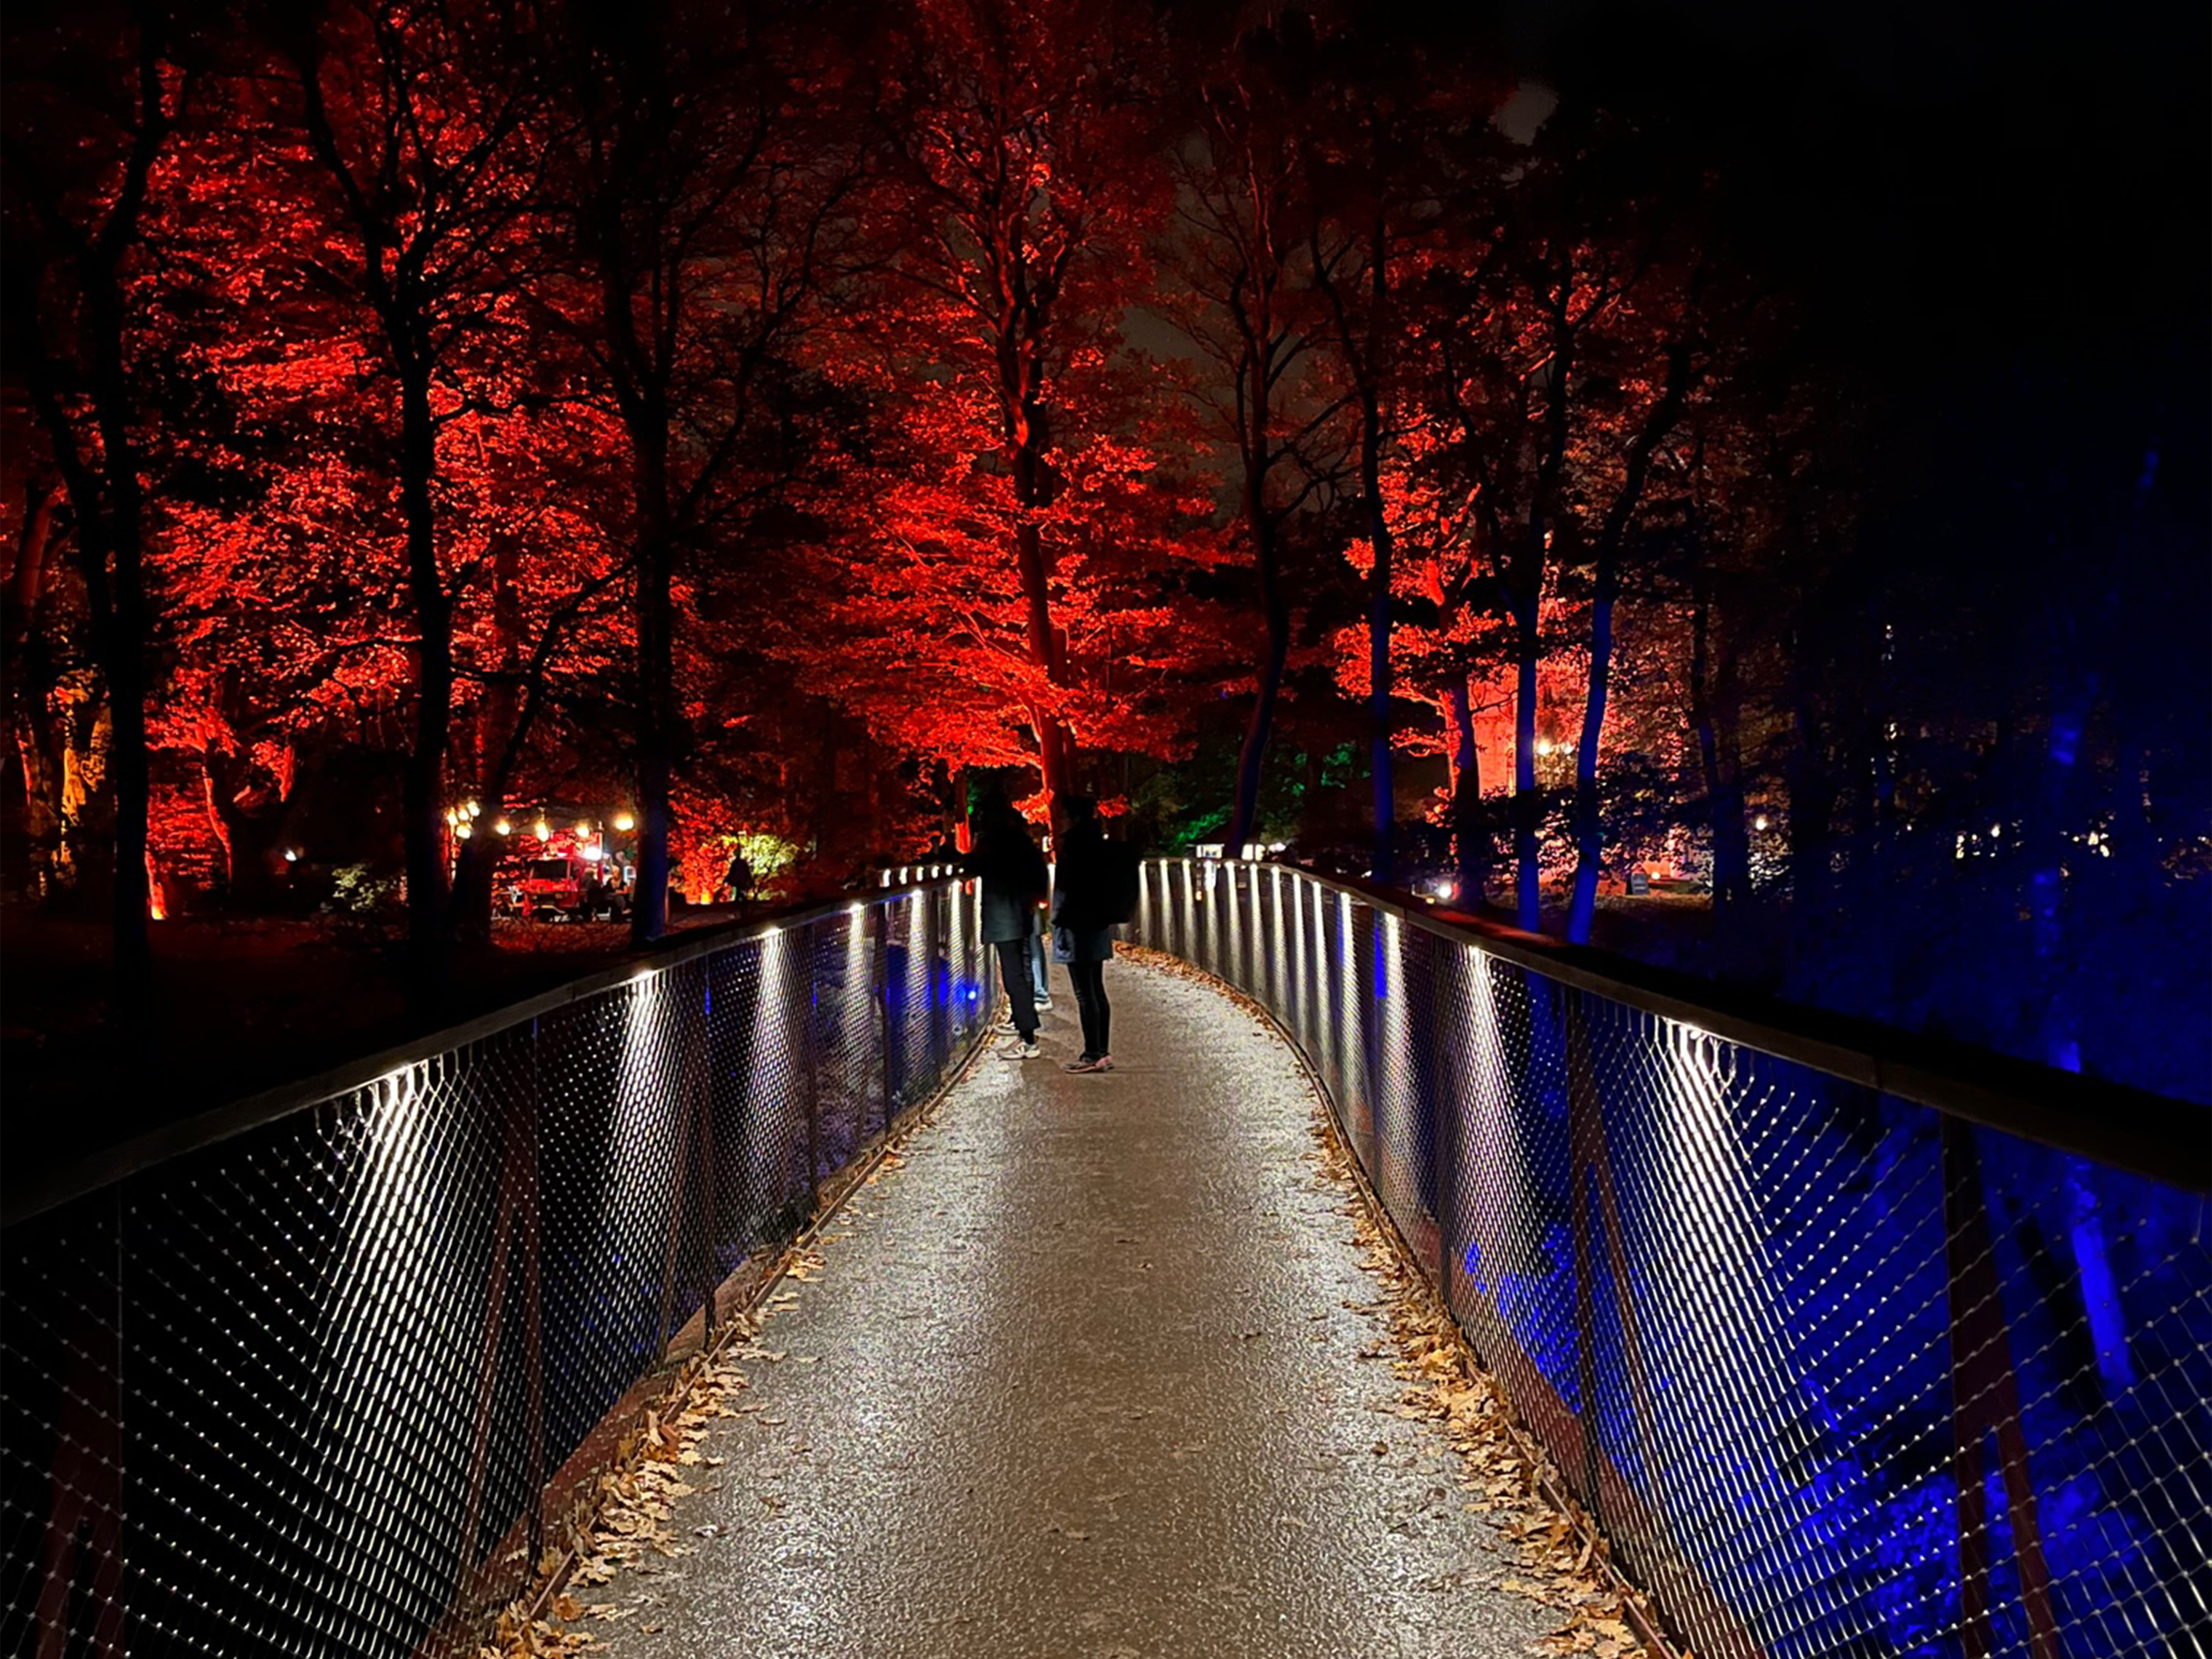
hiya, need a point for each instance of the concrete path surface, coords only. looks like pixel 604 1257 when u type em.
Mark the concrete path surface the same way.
pixel 1084 1378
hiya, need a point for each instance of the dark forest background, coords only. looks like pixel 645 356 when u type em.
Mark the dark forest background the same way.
pixel 1724 482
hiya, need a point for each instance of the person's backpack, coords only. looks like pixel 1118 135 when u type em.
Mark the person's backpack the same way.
pixel 1123 884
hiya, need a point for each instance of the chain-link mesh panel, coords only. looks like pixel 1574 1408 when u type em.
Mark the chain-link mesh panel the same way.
pixel 300 1392
pixel 1839 1375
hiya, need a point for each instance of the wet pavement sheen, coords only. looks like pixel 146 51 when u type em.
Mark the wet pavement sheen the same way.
pixel 1086 1381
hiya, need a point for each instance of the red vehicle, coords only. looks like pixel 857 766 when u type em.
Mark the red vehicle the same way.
pixel 559 888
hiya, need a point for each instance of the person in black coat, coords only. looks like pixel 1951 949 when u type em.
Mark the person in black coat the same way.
pixel 1082 934
pixel 1007 862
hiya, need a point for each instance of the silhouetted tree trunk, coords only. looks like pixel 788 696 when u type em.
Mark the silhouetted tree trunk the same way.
pixel 429 207
pixel 1612 536
pixel 1364 352
pixel 26 661
pixel 1717 759
pixel 1251 758
pixel 102 467
pixel 1246 211
pixel 496 745
pixel 1470 835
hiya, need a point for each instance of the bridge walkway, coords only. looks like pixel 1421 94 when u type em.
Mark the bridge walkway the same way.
pixel 1094 1371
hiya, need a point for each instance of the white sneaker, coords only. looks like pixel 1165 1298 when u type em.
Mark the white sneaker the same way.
pixel 1018 1049
pixel 1043 1004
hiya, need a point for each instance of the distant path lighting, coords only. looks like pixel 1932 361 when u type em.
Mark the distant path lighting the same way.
pixel 1759 822
pixel 464 829
pixel 474 809
pixel 291 855
pixel 584 829
pixel 502 828
pixel 1543 745
pixel 543 829
pixel 624 824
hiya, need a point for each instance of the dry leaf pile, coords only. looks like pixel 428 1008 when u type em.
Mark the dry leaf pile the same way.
pixel 655 1464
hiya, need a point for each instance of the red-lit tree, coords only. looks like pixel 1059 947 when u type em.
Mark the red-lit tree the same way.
pixel 425 120
pixel 1027 175
pixel 90 113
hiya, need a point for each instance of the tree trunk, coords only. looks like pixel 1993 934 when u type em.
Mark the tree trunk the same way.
pixel 1590 817
pixel 1379 717
pixel 1718 763
pixel 656 679
pixel 425 777
pixel 129 767
pixel 1055 744
pixel 28 668
pixel 1251 758
pixel 2055 808
pixel 1811 782
pixel 249 839
pixel 1528 804
pixel 496 740
pixel 1470 836
pixel 1275 611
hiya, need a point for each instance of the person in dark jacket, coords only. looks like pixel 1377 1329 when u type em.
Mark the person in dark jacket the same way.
pixel 1082 937
pixel 1007 862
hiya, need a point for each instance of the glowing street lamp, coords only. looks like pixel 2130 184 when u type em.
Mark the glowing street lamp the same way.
pixel 1759 822
pixel 624 823
pixel 1543 745
pixel 543 829
pixel 464 829
pixel 502 826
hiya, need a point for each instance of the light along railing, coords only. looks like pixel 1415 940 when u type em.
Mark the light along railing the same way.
pixel 1853 1345
pixel 319 1375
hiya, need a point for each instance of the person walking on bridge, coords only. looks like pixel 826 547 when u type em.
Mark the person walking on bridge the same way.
pixel 1007 862
pixel 1083 913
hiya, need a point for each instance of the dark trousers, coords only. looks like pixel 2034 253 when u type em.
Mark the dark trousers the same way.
pixel 1089 978
pixel 1014 971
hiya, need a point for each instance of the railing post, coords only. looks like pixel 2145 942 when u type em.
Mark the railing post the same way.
pixel 884 1002
pixel 940 1011
pixel 533 1331
pixel 1443 1081
pixel 702 1084
pixel 1583 1122
pixel 809 1016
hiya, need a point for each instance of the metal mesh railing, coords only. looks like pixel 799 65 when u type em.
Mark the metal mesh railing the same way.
pixel 1839 1373
pixel 303 1391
